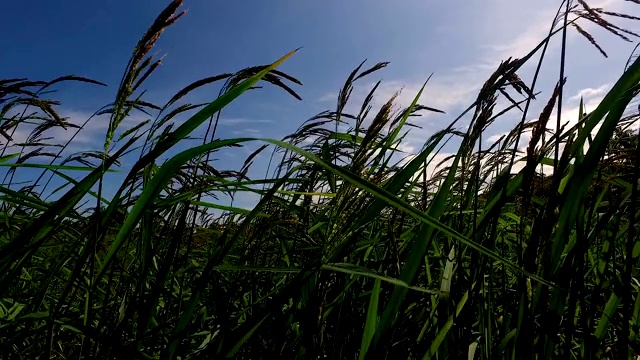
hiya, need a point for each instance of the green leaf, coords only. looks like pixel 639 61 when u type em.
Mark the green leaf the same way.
pixel 608 314
pixel 435 345
pixel 372 318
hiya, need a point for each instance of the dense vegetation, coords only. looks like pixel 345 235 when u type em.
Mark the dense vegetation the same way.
pixel 522 249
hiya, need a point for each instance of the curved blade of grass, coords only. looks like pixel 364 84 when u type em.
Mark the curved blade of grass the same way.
pixel 244 338
pixel 435 345
pixel 392 137
pixel 392 200
pixel 232 209
pixel 73 181
pixel 609 311
pixel 218 104
pixel 372 318
pixel 8 157
pixel 25 199
pixel 151 192
pixel 360 271
pixel 54 167
pixel 319 194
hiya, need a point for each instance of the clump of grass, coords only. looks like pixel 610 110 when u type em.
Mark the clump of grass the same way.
pixel 354 249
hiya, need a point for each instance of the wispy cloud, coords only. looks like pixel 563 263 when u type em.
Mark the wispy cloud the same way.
pixel 248 132
pixel 451 89
pixel 591 93
pixel 591 97
pixel 242 121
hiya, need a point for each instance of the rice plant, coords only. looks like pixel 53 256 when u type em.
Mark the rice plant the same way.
pixel 355 249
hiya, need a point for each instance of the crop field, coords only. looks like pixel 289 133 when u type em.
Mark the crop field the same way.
pixel 354 249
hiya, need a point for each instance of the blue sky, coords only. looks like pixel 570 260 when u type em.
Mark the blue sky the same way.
pixel 460 42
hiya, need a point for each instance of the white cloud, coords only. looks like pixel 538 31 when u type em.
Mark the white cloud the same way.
pixel 242 121
pixel 522 44
pixel 438 162
pixel 248 132
pixel 571 115
pixel 591 93
pixel 328 97
pixel 493 138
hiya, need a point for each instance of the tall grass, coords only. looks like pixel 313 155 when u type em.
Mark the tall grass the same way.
pixel 354 250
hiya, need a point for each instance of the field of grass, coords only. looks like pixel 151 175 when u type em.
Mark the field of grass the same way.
pixel 355 250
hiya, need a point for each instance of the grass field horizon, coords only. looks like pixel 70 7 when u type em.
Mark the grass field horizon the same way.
pixel 354 243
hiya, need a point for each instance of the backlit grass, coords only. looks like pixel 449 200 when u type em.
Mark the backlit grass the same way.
pixel 355 249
